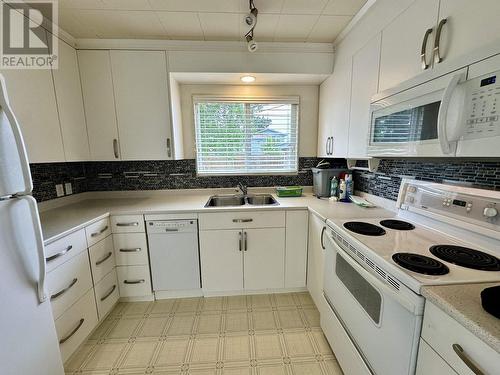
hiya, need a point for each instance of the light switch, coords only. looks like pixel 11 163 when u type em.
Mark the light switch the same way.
pixel 68 188
pixel 60 190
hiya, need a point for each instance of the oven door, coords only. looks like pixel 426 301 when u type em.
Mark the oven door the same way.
pixel 381 322
pixel 416 122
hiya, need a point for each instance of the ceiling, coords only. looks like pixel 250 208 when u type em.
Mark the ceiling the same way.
pixel 210 20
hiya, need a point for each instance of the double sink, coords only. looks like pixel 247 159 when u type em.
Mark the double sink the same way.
pixel 235 200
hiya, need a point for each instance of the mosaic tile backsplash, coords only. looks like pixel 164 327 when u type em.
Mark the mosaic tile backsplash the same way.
pixel 181 174
pixel 151 175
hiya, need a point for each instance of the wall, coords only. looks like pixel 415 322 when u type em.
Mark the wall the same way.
pixel 308 122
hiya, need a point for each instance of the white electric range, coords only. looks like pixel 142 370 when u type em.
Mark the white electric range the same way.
pixel 375 268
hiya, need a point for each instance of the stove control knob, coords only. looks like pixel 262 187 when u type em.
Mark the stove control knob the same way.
pixel 490 212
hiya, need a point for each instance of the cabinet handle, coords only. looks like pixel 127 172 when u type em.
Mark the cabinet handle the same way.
pixel 423 52
pixel 245 240
pixel 64 339
pixel 327 146
pixel 436 54
pixel 465 358
pixel 136 250
pixel 109 293
pixel 61 292
pixel 115 148
pixel 169 148
pixel 242 220
pixel 321 238
pixel 100 232
pixel 240 241
pixel 330 151
pixel 134 281
pixel 131 224
pixel 55 256
pixel 104 259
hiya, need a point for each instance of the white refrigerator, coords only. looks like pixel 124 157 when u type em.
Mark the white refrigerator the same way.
pixel 28 339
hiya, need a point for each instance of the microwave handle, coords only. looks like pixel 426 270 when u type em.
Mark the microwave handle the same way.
pixel 447 146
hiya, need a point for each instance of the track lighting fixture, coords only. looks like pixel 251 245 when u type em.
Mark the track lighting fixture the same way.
pixel 250 22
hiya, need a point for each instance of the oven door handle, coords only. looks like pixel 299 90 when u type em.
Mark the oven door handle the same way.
pixel 373 280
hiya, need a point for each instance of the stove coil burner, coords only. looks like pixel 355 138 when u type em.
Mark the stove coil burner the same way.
pixel 465 257
pixel 364 228
pixel 420 264
pixel 397 224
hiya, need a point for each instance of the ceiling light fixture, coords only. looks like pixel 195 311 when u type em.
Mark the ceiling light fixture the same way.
pixel 250 22
pixel 247 79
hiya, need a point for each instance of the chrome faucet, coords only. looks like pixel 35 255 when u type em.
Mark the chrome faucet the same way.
pixel 243 188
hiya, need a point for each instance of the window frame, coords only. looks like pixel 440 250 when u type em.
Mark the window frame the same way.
pixel 289 99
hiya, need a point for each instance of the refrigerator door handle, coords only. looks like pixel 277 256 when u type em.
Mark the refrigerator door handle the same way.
pixel 16 131
pixel 37 228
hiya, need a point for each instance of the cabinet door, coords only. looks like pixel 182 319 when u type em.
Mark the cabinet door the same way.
pixel 470 25
pixel 325 115
pixel 221 260
pixel 402 42
pixel 142 104
pixel 99 103
pixel 429 362
pixel 296 249
pixel 365 67
pixel 70 105
pixel 315 259
pixel 335 94
pixel 264 258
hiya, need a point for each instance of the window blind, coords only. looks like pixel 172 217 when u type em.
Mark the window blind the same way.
pixel 236 136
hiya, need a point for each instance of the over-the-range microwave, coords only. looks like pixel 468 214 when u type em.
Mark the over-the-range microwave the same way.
pixel 448 116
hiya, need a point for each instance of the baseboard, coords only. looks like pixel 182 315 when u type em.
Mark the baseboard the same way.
pixel 253 292
pixel 167 294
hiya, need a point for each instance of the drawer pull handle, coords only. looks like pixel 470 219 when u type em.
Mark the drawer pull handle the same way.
pixel 64 339
pixel 136 250
pixel 100 232
pixel 61 292
pixel 134 281
pixel 133 224
pixel 465 358
pixel 101 261
pixel 55 256
pixel 242 220
pixel 245 240
pixel 109 293
pixel 437 41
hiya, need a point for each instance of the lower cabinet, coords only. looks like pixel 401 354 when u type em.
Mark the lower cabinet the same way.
pixel 429 362
pixel 316 259
pixel 134 281
pixel 106 293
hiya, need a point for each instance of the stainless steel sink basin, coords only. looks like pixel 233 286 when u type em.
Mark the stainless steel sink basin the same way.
pixel 235 200
pixel 225 200
pixel 261 200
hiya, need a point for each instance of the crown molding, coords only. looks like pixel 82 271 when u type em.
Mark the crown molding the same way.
pixel 358 16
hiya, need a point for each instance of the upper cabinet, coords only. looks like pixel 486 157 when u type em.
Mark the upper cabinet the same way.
pixel 70 105
pixel 142 104
pixel 99 102
pixel 407 43
pixel 365 68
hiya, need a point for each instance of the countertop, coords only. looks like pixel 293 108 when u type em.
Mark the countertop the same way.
pixel 463 303
pixel 58 222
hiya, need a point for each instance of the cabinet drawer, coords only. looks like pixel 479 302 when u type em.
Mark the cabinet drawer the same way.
pixel 75 324
pixel 134 281
pixel 127 224
pixel 102 259
pixel 242 219
pixel 106 294
pixel 64 249
pixel 68 283
pixel 442 332
pixel 429 362
pixel 98 231
pixel 130 249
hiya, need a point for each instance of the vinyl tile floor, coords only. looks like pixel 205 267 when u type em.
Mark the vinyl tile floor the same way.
pixel 272 334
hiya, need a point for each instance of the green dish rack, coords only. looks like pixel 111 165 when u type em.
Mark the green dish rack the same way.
pixel 288 191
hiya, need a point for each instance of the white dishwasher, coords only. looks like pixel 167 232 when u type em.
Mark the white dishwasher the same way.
pixel 174 254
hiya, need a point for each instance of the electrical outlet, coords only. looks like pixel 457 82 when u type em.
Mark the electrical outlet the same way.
pixel 68 188
pixel 60 190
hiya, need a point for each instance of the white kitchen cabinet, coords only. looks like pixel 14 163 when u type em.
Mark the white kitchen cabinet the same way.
pixel 402 43
pixel 221 260
pixel 470 25
pixel 99 103
pixel 316 259
pixel 365 69
pixel 296 248
pixel 264 258
pixel 70 105
pixel 142 104
pixel 429 362
pixel 334 104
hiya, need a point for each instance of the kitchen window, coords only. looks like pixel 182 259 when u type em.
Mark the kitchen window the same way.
pixel 243 136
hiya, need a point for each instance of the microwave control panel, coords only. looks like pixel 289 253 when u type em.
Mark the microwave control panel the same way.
pixel 482 106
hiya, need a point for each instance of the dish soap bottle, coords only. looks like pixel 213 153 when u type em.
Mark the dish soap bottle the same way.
pixel 342 191
pixel 334 187
pixel 349 185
